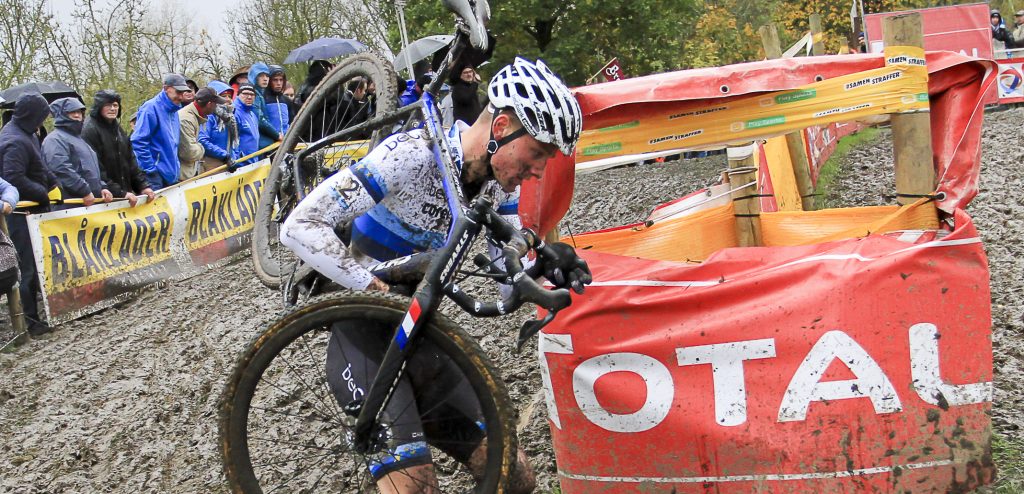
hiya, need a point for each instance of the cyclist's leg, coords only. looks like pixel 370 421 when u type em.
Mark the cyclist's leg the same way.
pixel 353 358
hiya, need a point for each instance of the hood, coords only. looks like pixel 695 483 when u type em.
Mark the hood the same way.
pixel 30 111
pixel 60 110
pixel 240 104
pixel 317 71
pixel 219 87
pixel 104 98
pixel 257 69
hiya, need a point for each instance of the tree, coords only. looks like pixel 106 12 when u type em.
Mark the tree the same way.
pixel 25 28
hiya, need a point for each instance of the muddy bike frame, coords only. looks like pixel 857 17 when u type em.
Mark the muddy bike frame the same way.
pixel 468 221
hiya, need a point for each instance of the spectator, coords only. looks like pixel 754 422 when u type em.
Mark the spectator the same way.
pixel 259 78
pixel 70 158
pixel 1016 39
pixel 317 71
pixel 118 168
pixel 465 99
pixel 354 105
pixel 289 91
pixel 9 271
pixel 192 84
pixel 219 135
pixel 414 89
pixel 999 31
pixel 248 124
pixel 241 76
pixel 21 164
pixel 187 97
pixel 191 119
pixel 279 107
pixel 156 134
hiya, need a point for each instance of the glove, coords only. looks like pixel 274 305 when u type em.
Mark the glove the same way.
pixel 563 268
pixel 232 166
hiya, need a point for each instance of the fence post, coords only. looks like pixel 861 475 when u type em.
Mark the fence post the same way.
pixel 794 140
pixel 911 132
pixel 817 43
pixel 14 301
pixel 746 203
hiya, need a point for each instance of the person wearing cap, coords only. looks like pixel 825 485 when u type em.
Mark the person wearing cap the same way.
pixel 192 118
pixel 219 134
pixel 70 158
pixel 248 125
pixel 259 78
pixel 21 164
pixel 157 132
pixel 241 76
pixel 118 168
pixel 1016 38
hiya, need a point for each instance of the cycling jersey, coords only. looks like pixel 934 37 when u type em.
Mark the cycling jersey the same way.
pixel 394 201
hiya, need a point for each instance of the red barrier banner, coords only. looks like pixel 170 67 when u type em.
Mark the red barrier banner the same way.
pixel 960 28
pixel 862 365
pixel 1011 71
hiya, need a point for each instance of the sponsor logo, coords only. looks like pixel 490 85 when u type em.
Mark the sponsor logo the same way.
pixel 627 125
pixel 696 113
pixel 758 123
pixel 597 149
pixel 794 96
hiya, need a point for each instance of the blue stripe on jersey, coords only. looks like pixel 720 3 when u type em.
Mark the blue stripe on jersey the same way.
pixel 372 181
pixel 508 208
pixel 378 242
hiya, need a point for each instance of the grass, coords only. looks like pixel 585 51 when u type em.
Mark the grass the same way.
pixel 1008 454
pixel 833 167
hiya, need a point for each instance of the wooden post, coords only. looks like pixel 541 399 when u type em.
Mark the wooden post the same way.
pixel 817 44
pixel 911 132
pixel 14 301
pixel 794 140
pixel 746 203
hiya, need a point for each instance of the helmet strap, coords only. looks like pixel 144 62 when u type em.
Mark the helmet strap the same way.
pixel 494 144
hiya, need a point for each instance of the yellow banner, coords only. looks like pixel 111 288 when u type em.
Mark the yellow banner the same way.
pixel 222 209
pixel 80 250
pixel 900 86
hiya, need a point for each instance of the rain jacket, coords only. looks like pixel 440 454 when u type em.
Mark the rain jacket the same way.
pixel 268 133
pixel 21 162
pixel 409 96
pixel 279 106
pixel 189 149
pixel 317 71
pixel 215 132
pixel 156 136
pixel 248 130
pixel 8 194
pixel 118 168
pixel 68 156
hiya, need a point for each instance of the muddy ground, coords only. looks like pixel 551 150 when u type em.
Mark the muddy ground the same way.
pixel 125 400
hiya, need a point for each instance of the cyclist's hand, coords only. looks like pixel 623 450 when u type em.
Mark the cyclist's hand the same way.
pixel 563 268
pixel 377 285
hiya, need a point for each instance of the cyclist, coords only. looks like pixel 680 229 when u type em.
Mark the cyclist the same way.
pixel 392 203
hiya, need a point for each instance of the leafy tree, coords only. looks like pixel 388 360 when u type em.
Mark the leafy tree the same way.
pixel 25 27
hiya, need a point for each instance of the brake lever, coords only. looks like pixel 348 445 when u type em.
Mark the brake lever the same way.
pixel 531 328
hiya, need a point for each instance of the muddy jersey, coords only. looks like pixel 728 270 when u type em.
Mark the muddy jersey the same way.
pixel 395 202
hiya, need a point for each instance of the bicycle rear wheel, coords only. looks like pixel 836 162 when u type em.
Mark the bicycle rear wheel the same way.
pixel 330 107
pixel 283 429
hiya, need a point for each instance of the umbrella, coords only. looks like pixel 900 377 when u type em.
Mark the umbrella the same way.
pixel 420 49
pixel 52 91
pixel 324 49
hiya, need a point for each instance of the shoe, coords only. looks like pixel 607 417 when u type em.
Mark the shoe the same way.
pixel 40 330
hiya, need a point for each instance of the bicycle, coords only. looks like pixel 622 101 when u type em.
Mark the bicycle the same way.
pixel 455 393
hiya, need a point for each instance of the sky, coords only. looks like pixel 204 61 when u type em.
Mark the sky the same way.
pixel 210 13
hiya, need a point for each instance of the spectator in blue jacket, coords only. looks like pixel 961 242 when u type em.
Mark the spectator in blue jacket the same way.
pixel 280 108
pixel 248 124
pixel 259 78
pixel 70 158
pixel 157 132
pixel 21 164
pixel 219 135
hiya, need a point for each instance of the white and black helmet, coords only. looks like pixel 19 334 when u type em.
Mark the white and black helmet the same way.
pixel 546 108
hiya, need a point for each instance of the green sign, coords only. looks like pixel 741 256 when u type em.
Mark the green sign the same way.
pixel 621 126
pixel 594 150
pixel 765 122
pixel 795 96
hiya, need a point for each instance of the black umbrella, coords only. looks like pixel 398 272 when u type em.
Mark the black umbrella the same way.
pixel 324 49
pixel 51 90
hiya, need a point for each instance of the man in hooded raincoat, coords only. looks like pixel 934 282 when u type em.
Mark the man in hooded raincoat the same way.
pixel 70 158
pixel 103 132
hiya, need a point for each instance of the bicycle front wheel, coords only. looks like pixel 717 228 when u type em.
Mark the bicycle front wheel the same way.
pixel 282 420
pixel 342 99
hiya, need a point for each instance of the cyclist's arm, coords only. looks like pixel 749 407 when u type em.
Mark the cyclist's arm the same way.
pixel 309 230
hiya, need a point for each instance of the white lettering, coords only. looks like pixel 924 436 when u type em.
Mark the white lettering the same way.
pixel 806 385
pixel 726 362
pixel 656 376
pixel 927 377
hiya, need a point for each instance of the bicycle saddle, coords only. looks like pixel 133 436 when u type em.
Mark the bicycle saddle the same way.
pixel 475 14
